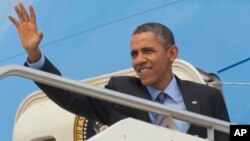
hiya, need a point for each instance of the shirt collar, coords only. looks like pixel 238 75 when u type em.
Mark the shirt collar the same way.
pixel 172 90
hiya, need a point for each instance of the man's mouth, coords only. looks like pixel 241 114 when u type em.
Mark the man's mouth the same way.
pixel 144 70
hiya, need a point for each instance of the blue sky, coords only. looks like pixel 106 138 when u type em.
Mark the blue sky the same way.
pixel 88 38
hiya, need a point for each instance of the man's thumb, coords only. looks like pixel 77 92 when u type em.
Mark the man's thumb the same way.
pixel 40 35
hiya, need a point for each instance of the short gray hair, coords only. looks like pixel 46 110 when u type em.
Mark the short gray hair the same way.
pixel 163 33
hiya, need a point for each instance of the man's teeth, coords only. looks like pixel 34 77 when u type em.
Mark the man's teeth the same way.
pixel 144 70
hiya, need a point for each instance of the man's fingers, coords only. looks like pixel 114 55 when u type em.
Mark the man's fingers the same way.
pixel 14 21
pixel 32 15
pixel 19 13
pixel 24 12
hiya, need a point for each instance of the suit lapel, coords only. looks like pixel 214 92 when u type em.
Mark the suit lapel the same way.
pixel 190 96
pixel 143 93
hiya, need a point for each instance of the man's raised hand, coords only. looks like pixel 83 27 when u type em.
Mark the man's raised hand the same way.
pixel 27 29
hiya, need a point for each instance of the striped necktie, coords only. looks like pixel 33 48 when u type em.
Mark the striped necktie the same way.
pixel 160 120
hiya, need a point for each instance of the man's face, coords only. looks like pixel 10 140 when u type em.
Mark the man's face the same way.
pixel 151 61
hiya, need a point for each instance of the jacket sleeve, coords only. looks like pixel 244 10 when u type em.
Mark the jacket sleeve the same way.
pixel 70 101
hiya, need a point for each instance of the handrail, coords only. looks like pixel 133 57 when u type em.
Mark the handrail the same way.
pixel 116 97
pixel 232 83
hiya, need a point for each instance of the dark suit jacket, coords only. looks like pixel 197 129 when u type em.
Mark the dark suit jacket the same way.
pixel 209 101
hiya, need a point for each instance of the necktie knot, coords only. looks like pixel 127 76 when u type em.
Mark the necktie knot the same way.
pixel 161 97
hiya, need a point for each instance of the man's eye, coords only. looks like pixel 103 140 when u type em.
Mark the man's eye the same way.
pixel 133 54
pixel 148 51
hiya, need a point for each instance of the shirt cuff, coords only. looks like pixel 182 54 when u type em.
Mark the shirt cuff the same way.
pixel 37 65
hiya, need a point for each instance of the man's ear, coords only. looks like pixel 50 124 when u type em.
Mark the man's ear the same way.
pixel 173 52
